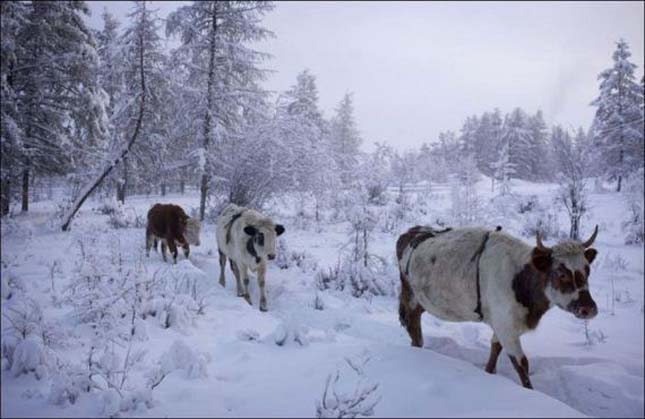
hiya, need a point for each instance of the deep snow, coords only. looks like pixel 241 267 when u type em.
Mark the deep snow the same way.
pixel 226 362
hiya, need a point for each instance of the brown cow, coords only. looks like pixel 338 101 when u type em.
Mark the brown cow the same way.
pixel 170 224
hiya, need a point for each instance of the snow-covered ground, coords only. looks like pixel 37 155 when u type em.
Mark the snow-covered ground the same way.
pixel 226 358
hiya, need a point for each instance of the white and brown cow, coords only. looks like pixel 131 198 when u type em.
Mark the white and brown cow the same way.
pixel 169 224
pixel 248 239
pixel 471 274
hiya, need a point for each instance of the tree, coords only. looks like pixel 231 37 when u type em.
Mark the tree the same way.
pixel 504 169
pixel 121 154
pixel 222 69
pixel 345 138
pixel 618 122
pixel 538 147
pixel 148 155
pixel 61 107
pixel 13 15
pixel 515 136
pixel 487 140
pixel 571 177
pixel 299 124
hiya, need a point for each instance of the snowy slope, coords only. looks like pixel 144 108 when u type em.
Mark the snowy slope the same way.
pixel 227 361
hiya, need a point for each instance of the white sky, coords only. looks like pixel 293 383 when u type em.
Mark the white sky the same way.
pixel 418 68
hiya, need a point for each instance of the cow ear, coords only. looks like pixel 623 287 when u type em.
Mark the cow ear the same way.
pixel 590 254
pixel 541 259
pixel 250 230
pixel 279 229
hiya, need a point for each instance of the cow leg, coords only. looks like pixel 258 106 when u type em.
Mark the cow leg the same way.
pixel 244 273
pixel 222 268
pixel 173 249
pixel 238 278
pixel 163 250
pixel 149 240
pixel 518 359
pixel 186 248
pixel 495 349
pixel 154 244
pixel 262 269
pixel 410 314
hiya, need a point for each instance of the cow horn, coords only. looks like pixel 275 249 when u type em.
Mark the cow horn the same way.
pixel 540 245
pixel 591 239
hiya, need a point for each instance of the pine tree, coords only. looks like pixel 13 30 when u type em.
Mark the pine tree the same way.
pixel 148 155
pixel 571 166
pixel 345 138
pixel 222 68
pixel 58 84
pixel 301 126
pixel 504 168
pixel 618 122
pixel 516 137
pixel 538 147
pixel 13 15
pixel 468 138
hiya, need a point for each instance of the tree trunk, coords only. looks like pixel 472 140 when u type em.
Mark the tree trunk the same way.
pixel 25 189
pixel 122 184
pixel 87 191
pixel 5 196
pixel 208 117
pixel 182 180
pixel 620 181
pixel 163 189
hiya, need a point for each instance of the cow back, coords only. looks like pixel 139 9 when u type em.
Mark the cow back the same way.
pixel 167 221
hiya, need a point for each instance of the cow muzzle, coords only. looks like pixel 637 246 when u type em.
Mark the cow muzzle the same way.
pixel 584 307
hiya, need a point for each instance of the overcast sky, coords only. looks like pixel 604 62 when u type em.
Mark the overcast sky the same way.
pixel 418 68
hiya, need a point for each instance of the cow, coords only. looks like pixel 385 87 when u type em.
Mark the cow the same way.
pixel 169 224
pixel 248 239
pixel 471 274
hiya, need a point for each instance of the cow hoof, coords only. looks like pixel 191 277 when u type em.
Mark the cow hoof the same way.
pixel 491 370
pixel 263 308
pixel 223 284
pixel 247 297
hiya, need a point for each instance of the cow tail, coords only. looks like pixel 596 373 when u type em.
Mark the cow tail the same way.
pixel 405 299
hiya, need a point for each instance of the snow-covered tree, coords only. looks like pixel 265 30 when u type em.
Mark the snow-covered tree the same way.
pixel 517 138
pixel 404 169
pixel 148 156
pixel 504 169
pixel 572 192
pixel 488 136
pixel 375 173
pixel 13 15
pixel 300 125
pixel 538 147
pixel 223 70
pixel 618 123
pixel 61 107
pixel 345 138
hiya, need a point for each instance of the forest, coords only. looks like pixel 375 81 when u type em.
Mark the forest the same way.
pixel 97 125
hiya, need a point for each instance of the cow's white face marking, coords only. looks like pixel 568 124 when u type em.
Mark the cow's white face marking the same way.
pixel 193 227
pixel 567 285
pixel 263 237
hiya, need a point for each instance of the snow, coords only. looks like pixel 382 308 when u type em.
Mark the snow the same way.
pixel 222 357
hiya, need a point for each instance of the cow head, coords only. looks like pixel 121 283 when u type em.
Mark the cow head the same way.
pixel 263 238
pixel 566 268
pixel 193 226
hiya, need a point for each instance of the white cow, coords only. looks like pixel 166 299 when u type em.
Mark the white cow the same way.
pixel 248 239
pixel 471 274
